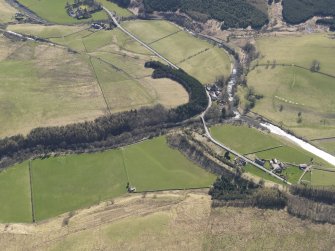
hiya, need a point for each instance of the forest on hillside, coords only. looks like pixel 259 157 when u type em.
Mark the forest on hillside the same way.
pixel 233 13
pixel 298 11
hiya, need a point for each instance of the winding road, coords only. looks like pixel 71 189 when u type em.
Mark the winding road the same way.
pixel 208 134
pixel 202 116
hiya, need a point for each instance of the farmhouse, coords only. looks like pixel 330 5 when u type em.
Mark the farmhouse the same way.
pixel 260 162
pixel 303 166
pixel 83 9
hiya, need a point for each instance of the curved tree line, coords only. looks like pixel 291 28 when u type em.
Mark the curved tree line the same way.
pixel 106 128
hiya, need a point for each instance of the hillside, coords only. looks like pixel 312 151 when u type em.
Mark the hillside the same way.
pixel 169 221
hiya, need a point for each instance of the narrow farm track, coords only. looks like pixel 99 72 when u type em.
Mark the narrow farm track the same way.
pixel 139 41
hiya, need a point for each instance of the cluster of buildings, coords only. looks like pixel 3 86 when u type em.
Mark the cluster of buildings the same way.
pixel 100 26
pixel 83 9
pixel 214 91
pixel 278 166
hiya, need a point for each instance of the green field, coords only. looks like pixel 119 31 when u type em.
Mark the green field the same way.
pixel 259 173
pixel 15 200
pixel 322 178
pixel 238 137
pixel 152 165
pixel 290 90
pixel 300 50
pixel 327 145
pixel 197 57
pixel 66 183
pixel 247 140
pixel 54 11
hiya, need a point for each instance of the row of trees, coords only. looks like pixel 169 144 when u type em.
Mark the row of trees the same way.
pixel 316 204
pixel 106 128
pixel 233 13
pixel 197 95
pixel 327 22
pixel 322 194
pixel 299 11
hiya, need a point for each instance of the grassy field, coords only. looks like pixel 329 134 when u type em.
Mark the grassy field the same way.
pixel 117 64
pixel 107 61
pixel 54 11
pixel 15 203
pixel 171 221
pixel 239 136
pixel 327 145
pixel 322 178
pixel 43 86
pixel 6 12
pixel 288 91
pixel 299 50
pixel 259 173
pixel 63 184
pixel 67 183
pixel 152 165
pixel 247 140
pixel 195 56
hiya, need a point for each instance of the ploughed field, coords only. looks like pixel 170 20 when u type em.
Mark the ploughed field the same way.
pixel 66 183
pixel 254 143
pixel 294 96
